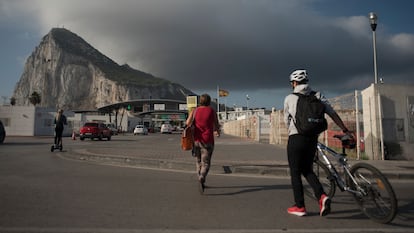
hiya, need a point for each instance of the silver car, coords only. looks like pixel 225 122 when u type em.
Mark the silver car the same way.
pixel 113 128
pixel 140 129
pixel 166 128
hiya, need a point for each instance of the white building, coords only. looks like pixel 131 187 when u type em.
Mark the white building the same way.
pixel 388 119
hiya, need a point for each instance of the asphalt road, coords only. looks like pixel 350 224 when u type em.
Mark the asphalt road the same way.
pixel 41 191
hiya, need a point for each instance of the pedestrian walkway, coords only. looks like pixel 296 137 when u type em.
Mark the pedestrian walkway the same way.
pixel 232 156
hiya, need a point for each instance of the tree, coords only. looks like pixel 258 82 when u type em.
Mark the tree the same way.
pixel 13 101
pixel 35 98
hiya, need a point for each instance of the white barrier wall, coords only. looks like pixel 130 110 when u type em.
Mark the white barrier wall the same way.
pixel 39 121
pixel 18 120
pixel 32 121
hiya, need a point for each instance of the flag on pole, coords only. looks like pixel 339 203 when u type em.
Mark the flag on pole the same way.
pixel 223 93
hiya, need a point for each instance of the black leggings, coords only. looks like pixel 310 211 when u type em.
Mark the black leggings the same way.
pixel 58 136
pixel 301 152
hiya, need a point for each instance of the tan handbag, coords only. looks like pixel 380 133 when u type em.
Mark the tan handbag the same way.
pixel 187 136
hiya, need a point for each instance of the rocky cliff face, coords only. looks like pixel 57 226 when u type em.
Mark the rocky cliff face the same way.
pixel 69 73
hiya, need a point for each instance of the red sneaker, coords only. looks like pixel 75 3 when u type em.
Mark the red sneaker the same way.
pixel 298 211
pixel 324 205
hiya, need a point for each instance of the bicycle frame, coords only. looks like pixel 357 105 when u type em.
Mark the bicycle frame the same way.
pixel 371 189
pixel 342 161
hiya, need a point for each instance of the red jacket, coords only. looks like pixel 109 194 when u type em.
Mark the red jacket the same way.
pixel 204 124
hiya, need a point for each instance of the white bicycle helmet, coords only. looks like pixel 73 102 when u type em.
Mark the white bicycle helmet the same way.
pixel 299 76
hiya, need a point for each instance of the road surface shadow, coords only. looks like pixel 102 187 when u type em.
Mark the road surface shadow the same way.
pixel 235 190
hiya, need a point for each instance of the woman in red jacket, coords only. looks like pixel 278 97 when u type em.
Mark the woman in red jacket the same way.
pixel 206 125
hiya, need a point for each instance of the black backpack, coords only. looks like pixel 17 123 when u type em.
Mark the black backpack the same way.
pixel 310 115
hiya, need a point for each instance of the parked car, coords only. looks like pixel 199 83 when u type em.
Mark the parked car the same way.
pixel 113 128
pixel 2 132
pixel 166 128
pixel 94 130
pixel 140 129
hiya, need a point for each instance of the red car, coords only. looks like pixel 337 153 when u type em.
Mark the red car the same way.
pixel 94 130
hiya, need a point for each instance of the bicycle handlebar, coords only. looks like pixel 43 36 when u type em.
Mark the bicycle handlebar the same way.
pixel 343 136
pixel 348 140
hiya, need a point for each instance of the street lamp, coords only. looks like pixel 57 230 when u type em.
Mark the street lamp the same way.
pixel 247 101
pixel 373 21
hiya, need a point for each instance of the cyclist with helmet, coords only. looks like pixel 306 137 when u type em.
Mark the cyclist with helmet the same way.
pixel 301 149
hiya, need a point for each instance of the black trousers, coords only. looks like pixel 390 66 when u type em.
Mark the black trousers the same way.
pixel 301 152
pixel 58 135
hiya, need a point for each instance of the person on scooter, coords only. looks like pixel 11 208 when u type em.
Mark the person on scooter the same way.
pixel 60 121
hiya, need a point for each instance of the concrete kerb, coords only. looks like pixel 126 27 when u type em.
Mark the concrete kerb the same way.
pixel 218 168
pixel 84 155
pixel 392 169
pixel 278 169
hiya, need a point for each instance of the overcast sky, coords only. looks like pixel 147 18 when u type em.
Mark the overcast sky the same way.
pixel 248 47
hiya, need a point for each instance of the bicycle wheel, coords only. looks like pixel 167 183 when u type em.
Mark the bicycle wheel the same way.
pixel 324 176
pixel 377 200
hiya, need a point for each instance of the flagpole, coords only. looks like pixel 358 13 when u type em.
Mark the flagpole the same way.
pixel 218 99
pixel 225 109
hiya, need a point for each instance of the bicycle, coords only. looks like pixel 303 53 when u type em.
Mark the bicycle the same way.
pixel 371 189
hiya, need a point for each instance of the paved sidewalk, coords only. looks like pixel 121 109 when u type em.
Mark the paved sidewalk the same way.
pixel 232 155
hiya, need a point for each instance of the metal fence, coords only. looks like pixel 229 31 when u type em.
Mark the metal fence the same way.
pixel 348 108
pixel 273 129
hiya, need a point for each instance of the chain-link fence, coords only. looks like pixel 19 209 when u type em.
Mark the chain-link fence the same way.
pixel 381 117
pixel 348 108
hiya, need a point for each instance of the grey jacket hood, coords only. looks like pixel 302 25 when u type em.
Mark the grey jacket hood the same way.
pixel 302 89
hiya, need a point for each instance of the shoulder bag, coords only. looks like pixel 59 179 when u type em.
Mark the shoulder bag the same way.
pixel 187 136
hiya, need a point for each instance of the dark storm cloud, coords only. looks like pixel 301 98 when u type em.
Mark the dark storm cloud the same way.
pixel 234 43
